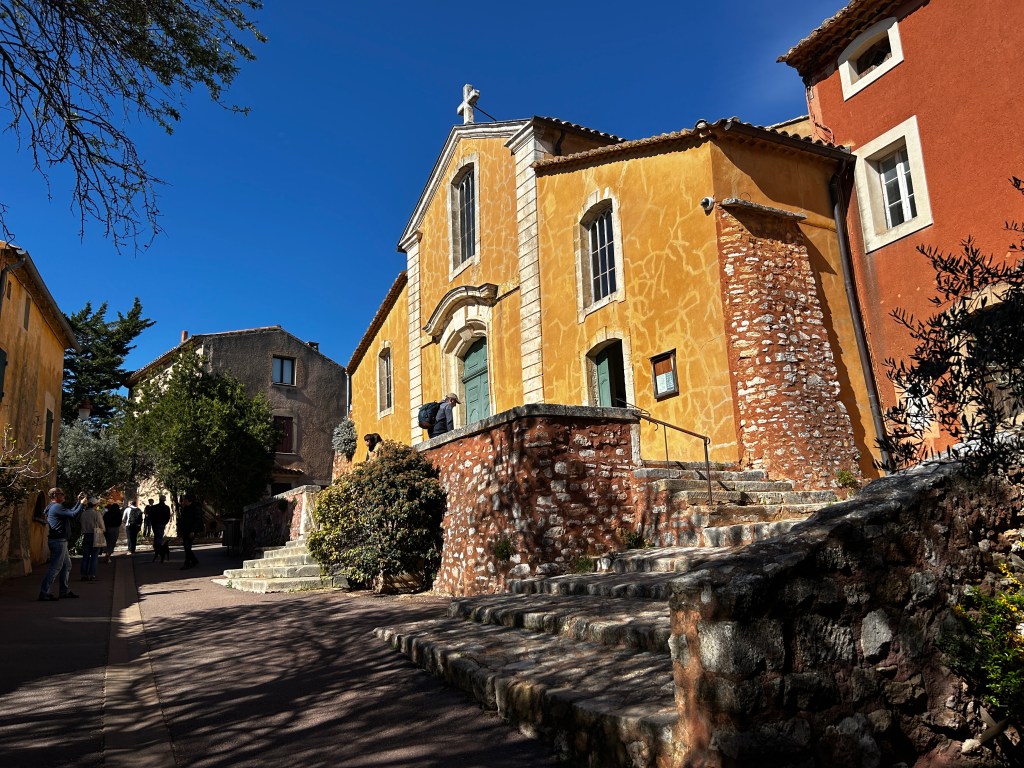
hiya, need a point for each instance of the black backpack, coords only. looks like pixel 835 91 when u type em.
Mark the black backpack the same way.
pixel 427 415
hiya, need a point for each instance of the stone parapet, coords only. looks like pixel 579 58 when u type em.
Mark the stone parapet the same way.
pixel 819 647
pixel 554 482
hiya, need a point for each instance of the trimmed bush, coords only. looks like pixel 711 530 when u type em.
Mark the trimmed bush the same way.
pixel 382 521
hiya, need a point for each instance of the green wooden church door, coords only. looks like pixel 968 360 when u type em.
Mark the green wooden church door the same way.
pixel 474 382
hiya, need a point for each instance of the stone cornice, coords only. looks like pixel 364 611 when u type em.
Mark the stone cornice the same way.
pixel 463 295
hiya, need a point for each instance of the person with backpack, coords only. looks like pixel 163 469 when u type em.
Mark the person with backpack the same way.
pixel 58 518
pixel 132 524
pixel 444 420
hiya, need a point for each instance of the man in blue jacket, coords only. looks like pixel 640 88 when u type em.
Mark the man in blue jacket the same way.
pixel 58 518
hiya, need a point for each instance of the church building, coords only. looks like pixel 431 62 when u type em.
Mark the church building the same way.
pixel 696 276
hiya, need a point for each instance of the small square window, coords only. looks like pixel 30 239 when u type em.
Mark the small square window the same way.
pixel 663 368
pixel 284 371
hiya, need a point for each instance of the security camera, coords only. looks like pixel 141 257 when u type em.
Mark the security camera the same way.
pixel 707 203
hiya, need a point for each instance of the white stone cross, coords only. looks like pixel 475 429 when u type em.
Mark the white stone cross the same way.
pixel 470 95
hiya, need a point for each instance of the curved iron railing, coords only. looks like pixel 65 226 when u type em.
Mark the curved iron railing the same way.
pixel 646 416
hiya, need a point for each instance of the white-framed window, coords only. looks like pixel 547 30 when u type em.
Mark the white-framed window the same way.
pixel 283 371
pixel 385 382
pixel 464 209
pixel 892 191
pixel 600 257
pixel 873 53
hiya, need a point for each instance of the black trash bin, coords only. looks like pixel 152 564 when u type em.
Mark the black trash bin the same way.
pixel 233 535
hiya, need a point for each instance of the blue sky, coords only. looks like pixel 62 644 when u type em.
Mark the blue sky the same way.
pixel 291 215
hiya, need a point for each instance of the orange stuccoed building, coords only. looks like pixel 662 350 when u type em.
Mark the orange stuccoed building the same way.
pixel 920 92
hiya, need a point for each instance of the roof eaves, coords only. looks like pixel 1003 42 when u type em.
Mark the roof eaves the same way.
pixel 378 320
pixel 835 33
pixel 57 321
pixel 702 131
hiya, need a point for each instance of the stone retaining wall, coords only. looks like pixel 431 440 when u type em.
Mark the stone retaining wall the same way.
pixel 818 648
pixel 555 482
pixel 274 521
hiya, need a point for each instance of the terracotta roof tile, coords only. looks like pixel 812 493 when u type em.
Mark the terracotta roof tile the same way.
pixel 580 128
pixel 835 33
pixel 700 132
pixel 378 320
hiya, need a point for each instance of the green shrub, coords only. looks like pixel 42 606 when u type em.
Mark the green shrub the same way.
pixel 988 649
pixel 582 565
pixel 847 479
pixel 502 549
pixel 636 540
pixel 381 520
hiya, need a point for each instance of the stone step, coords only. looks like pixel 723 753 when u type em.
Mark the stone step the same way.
pixel 272 571
pixel 280 560
pixel 733 514
pixel 698 497
pixel 262 586
pixel 725 476
pixel 746 486
pixel 599 706
pixel 659 560
pixel 629 585
pixel 745 533
pixel 638 624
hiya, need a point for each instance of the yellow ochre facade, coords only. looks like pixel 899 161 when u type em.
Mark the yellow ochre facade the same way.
pixel 574 267
pixel 33 336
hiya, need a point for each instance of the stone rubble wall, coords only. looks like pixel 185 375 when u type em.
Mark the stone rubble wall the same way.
pixel 555 481
pixel 818 648
pixel 792 423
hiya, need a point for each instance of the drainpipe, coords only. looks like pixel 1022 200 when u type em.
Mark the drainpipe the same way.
pixel 839 214
pixel 13 265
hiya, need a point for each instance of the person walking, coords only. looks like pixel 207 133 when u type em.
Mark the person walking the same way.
pixel 58 519
pixel 445 419
pixel 160 516
pixel 93 539
pixel 112 527
pixel 147 522
pixel 132 520
pixel 190 523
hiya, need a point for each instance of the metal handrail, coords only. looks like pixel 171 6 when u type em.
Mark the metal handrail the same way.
pixel 644 414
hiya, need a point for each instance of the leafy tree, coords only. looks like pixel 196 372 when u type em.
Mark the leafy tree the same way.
pixel 20 475
pixel 381 520
pixel 202 432
pixel 91 459
pixel 966 373
pixel 77 72
pixel 96 371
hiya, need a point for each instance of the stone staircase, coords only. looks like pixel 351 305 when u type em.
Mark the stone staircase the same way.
pixel 745 505
pixel 281 569
pixel 583 661
pixel 579 661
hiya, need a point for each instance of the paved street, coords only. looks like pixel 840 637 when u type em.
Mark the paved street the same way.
pixel 155 666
